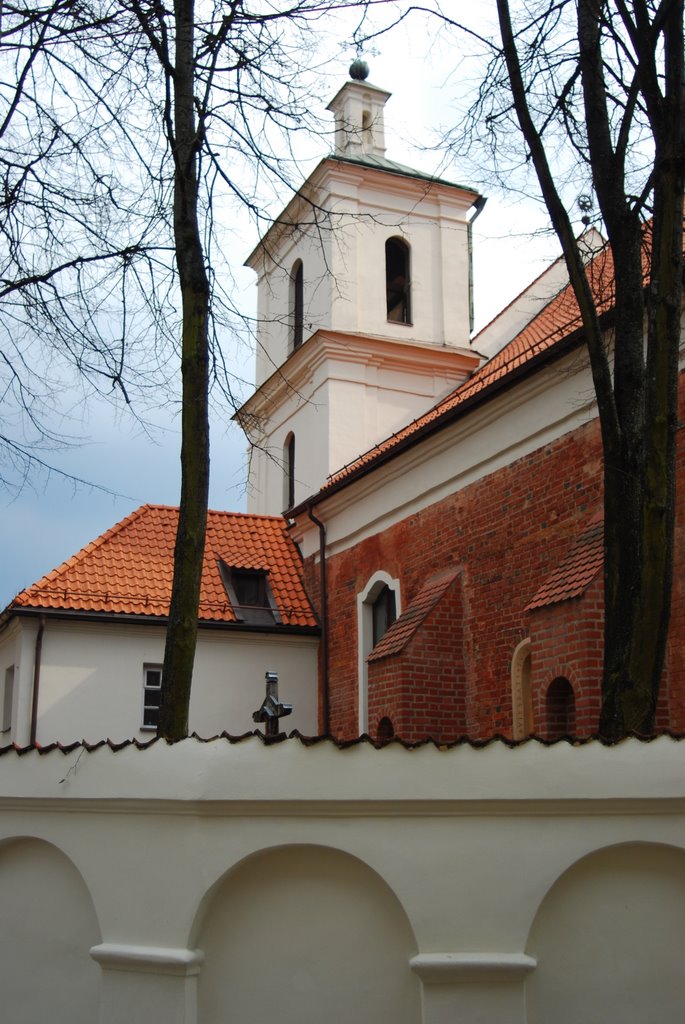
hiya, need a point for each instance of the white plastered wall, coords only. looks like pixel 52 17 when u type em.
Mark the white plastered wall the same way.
pixel 446 885
pixel 91 680
pixel 344 394
pixel 555 401
pixel 340 238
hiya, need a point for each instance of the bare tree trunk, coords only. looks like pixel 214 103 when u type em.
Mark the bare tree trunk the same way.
pixel 179 652
pixel 637 402
pixel 638 592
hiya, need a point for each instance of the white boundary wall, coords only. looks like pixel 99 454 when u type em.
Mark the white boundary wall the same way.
pixel 238 882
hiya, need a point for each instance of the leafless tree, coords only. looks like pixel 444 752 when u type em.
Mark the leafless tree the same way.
pixel 594 89
pixel 124 125
pixel 609 75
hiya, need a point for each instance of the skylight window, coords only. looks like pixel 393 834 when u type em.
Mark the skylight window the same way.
pixel 250 595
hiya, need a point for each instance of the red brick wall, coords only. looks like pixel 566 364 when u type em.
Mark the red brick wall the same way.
pixel 566 640
pixel 507 531
pixel 422 690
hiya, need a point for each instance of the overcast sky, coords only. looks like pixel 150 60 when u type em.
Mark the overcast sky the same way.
pixel 52 518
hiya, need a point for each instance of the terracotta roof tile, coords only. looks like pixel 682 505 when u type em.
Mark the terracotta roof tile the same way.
pixel 575 573
pixel 129 569
pixel 559 319
pixel 396 638
pixel 55 749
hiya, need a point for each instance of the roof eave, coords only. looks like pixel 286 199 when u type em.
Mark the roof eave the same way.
pixel 440 422
pixel 128 618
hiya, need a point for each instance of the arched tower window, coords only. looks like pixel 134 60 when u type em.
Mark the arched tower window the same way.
pixel 560 709
pixel 521 694
pixel 397 281
pixel 378 606
pixel 289 471
pixel 297 304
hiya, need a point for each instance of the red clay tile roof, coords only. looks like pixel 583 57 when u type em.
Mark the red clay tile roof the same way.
pixel 396 638
pixel 560 319
pixel 128 570
pixel 582 563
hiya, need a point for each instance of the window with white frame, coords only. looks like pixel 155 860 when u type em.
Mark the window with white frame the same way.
pixel 152 693
pixel 378 605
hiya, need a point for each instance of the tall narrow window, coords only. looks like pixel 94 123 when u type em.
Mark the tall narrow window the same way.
pixel 289 472
pixel 378 606
pixel 8 700
pixel 152 693
pixel 367 130
pixel 383 612
pixel 561 709
pixel 297 304
pixel 397 283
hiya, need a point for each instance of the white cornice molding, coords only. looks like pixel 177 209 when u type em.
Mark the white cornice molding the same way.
pixel 393 507
pixel 357 349
pixel 115 956
pixel 451 968
pixel 334 171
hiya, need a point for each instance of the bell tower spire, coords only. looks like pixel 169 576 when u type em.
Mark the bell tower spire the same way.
pixel 363 306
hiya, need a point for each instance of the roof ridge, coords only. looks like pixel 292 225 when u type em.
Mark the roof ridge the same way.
pixel 531 284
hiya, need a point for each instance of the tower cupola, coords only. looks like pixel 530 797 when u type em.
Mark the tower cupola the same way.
pixel 358 109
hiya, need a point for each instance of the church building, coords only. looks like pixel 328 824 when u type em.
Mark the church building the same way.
pixel 423 545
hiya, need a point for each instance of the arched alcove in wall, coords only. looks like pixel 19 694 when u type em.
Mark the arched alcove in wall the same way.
pixel 305 933
pixel 48 928
pixel 609 939
pixel 521 693
pixel 560 709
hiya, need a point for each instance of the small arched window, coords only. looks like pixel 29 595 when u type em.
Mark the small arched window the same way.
pixel 397 281
pixel 289 471
pixel 297 304
pixel 560 709
pixel 385 730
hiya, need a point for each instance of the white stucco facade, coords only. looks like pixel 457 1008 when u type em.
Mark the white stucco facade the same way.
pixel 356 375
pixel 199 883
pixel 341 394
pixel 553 402
pixel 90 683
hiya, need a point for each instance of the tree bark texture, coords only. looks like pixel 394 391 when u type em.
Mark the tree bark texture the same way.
pixel 635 366
pixel 181 637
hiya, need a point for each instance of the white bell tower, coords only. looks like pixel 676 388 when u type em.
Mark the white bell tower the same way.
pixel 363 306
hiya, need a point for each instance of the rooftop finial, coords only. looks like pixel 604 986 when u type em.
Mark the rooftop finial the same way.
pixel 359 70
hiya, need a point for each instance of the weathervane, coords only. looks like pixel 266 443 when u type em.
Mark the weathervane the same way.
pixel 585 204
